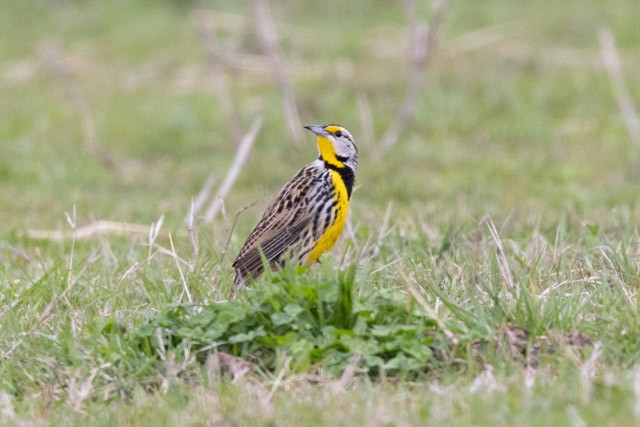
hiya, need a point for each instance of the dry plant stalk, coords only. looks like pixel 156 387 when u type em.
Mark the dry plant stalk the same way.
pixel 422 44
pixel 53 56
pixel 218 60
pixel 234 170
pixel 90 230
pixel 611 63
pixel 268 39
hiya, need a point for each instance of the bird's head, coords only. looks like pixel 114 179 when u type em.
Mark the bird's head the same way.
pixel 336 145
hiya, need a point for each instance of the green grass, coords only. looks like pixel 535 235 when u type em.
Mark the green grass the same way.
pixel 516 128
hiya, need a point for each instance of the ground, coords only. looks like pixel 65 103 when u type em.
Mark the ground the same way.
pixel 489 270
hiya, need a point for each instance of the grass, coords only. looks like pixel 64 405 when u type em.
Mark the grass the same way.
pixel 504 221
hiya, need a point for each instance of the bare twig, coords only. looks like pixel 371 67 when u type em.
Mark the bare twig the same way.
pixel 268 39
pixel 422 43
pixel 54 58
pixel 218 75
pixel 241 155
pixel 233 226
pixel 611 63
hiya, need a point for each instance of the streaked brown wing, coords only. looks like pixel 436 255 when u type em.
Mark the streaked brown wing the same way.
pixel 250 261
pixel 280 226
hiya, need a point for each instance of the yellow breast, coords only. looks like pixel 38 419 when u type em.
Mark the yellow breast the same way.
pixel 331 234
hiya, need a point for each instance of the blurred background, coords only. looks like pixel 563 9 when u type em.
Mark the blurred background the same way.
pixel 127 109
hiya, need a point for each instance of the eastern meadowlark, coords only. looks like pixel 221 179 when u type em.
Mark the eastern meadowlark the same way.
pixel 309 212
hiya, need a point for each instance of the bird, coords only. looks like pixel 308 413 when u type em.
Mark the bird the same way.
pixel 308 214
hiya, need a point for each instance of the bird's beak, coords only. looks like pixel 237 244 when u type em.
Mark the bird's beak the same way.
pixel 318 130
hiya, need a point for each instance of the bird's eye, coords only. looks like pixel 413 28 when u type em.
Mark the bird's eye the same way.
pixel 338 134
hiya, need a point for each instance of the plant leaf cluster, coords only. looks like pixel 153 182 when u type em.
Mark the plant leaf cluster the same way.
pixel 319 324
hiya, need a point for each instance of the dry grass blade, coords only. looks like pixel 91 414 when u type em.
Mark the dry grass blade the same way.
pixel 8 352
pixel 503 263
pixel 422 45
pixel 97 228
pixel 54 58
pixel 279 378
pixel 425 305
pixel 196 204
pixel 202 196
pixel 340 385
pixel 244 148
pixel 79 390
pixel 611 63
pixel 268 39
pixel 191 224
pixel 185 286
pixel 372 250
pixel 384 229
pixel 497 34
